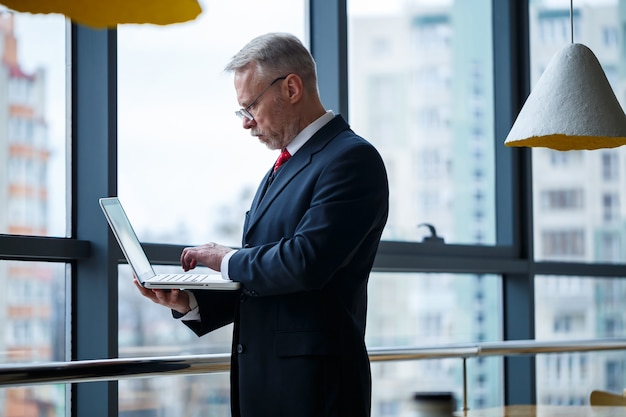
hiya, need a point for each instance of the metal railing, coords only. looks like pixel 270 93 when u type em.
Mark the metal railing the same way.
pixel 117 369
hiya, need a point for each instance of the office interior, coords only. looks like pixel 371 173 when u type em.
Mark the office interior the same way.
pixel 485 243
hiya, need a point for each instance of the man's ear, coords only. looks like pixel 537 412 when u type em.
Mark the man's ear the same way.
pixel 295 88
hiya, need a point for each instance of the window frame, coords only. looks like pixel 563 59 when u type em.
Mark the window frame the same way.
pixel 93 254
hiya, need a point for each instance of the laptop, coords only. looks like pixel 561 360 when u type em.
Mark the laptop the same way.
pixel 138 261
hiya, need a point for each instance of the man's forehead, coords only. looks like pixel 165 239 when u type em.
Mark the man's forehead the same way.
pixel 246 75
pixel 246 83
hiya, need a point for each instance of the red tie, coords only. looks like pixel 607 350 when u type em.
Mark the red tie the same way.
pixel 282 158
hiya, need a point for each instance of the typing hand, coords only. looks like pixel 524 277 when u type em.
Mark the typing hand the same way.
pixel 209 254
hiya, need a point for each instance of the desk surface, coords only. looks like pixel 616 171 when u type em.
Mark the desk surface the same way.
pixel 546 411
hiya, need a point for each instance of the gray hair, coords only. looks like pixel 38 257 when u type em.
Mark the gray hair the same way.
pixel 276 55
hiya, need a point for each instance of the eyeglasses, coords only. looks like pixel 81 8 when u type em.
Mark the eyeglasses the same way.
pixel 245 113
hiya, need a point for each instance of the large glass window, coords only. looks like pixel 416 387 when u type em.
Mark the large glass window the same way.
pixel 187 174
pixel 196 395
pixel 33 325
pixel 409 310
pixel 578 216
pixel 32 124
pixel 579 308
pixel 421 90
pixel 148 329
pixel 32 200
pixel 578 195
pixel 187 168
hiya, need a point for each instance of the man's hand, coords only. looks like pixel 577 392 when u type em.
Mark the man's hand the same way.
pixel 210 254
pixel 174 299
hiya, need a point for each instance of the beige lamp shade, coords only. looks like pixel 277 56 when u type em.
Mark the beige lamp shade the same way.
pixel 571 107
pixel 102 14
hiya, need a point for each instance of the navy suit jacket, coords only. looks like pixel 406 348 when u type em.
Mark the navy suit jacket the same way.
pixel 309 242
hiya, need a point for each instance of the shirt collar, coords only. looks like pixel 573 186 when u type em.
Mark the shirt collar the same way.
pixel 306 133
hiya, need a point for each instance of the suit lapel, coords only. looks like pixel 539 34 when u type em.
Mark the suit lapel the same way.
pixel 288 172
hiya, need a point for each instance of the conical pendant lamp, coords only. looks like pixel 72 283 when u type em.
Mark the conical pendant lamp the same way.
pixel 102 14
pixel 572 107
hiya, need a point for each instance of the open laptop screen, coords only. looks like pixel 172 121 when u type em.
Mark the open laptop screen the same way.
pixel 124 233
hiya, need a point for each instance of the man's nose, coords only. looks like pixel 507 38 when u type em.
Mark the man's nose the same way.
pixel 247 123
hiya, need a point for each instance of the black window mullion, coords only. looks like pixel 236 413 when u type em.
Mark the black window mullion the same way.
pixel 94 322
pixel 514 225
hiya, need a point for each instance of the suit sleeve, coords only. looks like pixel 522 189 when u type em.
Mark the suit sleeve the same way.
pixel 217 309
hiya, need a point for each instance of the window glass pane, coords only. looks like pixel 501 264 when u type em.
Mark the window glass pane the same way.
pixel 33 328
pixel 419 310
pixel 195 395
pixel 32 124
pixel 187 174
pixel 421 90
pixel 187 168
pixel 577 308
pixel 148 329
pixel 428 310
pixel 579 196
pixel 44 400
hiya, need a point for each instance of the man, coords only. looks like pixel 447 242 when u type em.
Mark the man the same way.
pixel 308 246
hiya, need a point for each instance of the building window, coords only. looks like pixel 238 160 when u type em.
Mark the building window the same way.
pixel 614 375
pixel 610 247
pixel 610 36
pixel 565 159
pixel 563 242
pixel 610 207
pixel 564 199
pixel 612 326
pixel 610 166
pixel 380 48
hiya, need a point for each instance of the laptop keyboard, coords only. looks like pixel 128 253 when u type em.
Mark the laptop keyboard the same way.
pixel 186 277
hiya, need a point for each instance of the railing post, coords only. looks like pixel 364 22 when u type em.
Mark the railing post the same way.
pixel 465 408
